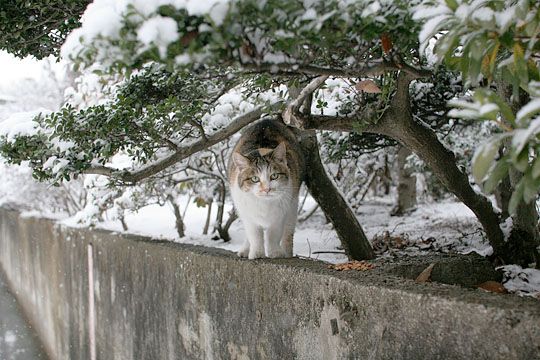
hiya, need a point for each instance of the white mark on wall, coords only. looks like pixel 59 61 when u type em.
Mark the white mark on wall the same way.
pixel 206 335
pixel 91 309
pixel 237 352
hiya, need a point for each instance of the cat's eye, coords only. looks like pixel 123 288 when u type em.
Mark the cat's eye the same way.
pixel 274 176
pixel 255 179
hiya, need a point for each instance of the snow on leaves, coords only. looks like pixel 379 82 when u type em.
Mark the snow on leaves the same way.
pixel 328 33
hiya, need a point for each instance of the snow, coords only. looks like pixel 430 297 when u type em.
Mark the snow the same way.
pixel 104 19
pixel 523 282
pixel 429 29
pixel 371 9
pixel 10 337
pixel 443 223
pixel 158 31
pixel 483 14
pixel 526 111
pixel 216 9
pixel 487 109
pixel 101 18
pixel 14 69
pixel 21 124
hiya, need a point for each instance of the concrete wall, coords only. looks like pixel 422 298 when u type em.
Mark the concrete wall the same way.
pixel 157 300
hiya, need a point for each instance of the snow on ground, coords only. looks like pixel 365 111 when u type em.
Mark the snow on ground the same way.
pixel 430 227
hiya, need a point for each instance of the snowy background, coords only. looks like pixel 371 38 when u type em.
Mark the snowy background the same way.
pixel 28 87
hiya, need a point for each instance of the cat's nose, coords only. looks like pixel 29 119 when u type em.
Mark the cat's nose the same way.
pixel 266 190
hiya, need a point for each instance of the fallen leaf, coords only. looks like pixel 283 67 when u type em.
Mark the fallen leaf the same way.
pixel 368 86
pixel 425 276
pixel 353 265
pixel 493 286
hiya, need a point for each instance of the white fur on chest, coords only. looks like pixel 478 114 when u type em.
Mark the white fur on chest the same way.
pixel 261 212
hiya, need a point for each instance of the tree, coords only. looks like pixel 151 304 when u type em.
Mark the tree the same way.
pixel 180 60
pixel 495 47
pixel 38 28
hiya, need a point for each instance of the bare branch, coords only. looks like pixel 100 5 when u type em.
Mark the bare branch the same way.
pixel 101 170
pixel 199 127
pixel 289 115
pixel 375 67
pixel 371 68
pixel 401 97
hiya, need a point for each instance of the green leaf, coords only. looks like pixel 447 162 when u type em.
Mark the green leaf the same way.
pixel 499 171
pixel 521 160
pixel 483 159
pixel 530 188
pixel 452 4
pixel 536 168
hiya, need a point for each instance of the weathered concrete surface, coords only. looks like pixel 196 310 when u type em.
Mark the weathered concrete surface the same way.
pixel 157 300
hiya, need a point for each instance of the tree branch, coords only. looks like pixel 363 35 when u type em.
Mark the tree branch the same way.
pixel 374 67
pixel 290 113
pixel 183 152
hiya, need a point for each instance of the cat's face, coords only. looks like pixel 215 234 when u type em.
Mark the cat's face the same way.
pixel 264 173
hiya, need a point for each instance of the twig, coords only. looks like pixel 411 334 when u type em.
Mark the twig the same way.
pixel 309 214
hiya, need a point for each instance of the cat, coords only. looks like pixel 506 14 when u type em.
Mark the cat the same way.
pixel 265 172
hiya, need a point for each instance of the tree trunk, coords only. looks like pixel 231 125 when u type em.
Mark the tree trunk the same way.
pixel 386 177
pixel 406 189
pixel 208 215
pixel 220 207
pixel 122 220
pixel 503 192
pixel 323 190
pixel 397 122
pixel 418 137
pixel 223 231
pixel 179 221
pixel 524 241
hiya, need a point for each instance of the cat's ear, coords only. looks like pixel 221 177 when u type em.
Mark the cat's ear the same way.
pixel 280 153
pixel 240 160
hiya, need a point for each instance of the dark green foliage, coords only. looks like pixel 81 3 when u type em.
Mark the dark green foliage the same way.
pixel 429 97
pixel 37 27
pixel 354 145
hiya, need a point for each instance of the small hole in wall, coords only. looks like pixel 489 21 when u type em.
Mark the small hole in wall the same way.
pixel 334 325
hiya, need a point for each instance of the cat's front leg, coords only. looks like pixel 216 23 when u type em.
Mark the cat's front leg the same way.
pixel 290 224
pixel 254 236
pixel 272 239
pixel 244 249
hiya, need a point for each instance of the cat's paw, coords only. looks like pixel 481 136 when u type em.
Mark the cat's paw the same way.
pixel 277 253
pixel 243 253
pixel 255 254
